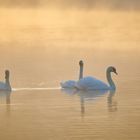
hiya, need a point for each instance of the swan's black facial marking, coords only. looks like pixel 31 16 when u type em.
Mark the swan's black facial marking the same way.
pixel 7 73
pixel 81 63
pixel 114 70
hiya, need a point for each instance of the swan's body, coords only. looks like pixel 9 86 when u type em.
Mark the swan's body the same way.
pixel 72 83
pixel 91 83
pixel 68 84
pixel 6 85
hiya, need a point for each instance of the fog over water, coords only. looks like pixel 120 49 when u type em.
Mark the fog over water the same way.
pixel 84 4
pixel 41 43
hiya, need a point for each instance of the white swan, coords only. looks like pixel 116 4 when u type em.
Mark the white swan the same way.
pixel 91 83
pixel 72 83
pixel 6 85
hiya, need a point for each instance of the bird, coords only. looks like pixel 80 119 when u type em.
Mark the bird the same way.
pixel 6 85
pixel 91 83
pixel 71 83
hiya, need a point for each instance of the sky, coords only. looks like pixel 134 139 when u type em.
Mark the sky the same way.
pixel 87 4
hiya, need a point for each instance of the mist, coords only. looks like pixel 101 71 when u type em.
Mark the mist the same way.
pixel 81 4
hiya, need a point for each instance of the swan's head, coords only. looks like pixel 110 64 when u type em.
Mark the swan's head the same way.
pixel 112 69
pixel 81 63
pixel 7 74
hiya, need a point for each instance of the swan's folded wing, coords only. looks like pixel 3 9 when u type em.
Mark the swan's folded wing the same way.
pixel 68 84
pixel 91 83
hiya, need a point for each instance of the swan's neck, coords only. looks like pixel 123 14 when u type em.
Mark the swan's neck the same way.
pixel 81 72
pixel 110 81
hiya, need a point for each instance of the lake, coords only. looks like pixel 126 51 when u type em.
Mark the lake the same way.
pixel 43 47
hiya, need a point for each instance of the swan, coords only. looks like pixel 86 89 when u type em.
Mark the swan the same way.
pixel 6 85
pixel 71 83
pixel 91 83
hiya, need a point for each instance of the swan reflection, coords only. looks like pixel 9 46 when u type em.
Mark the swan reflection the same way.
pixel 5 96
pixel 70 91
pixel 93 95
pixel 5 100
pixel 89 95
pixel 112 104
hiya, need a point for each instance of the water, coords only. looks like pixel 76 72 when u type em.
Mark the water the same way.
pixel 43 47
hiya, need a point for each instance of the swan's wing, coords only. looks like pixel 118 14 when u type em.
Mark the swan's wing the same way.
pixel 89 83
pixel 68 84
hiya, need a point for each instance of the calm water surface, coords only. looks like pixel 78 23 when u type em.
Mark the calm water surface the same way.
pixel 42 48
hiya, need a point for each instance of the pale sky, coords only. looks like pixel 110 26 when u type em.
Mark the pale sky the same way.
pixel 87 4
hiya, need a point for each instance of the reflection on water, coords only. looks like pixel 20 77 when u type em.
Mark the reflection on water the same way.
pixel 5 99
pixel 112 104
pixel 57 113
pixel 94 96
pixel 88 96
pixel 5 96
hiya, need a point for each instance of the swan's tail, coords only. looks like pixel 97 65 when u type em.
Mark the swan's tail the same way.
pixel 62 84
